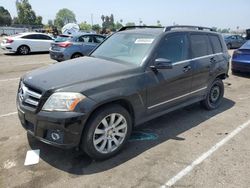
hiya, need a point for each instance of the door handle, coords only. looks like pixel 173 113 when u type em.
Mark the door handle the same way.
pixel 186 68
pixel 212 60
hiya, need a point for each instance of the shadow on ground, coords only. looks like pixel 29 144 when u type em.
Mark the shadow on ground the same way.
pixel 32 53
pixel 242 74
pixel 166 127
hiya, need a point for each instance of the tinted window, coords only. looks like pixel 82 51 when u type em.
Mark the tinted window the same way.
pixel 29 37
pixel 85 38
pixel 200 45
pixel 98 39
pixel 173 48
pixel 216 44
pixel 43 37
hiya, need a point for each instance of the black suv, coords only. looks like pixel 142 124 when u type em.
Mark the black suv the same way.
pixel 135 75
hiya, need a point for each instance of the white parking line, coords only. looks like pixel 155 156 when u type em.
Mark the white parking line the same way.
pixel 10 79
pixel 9 114
pixel 204 156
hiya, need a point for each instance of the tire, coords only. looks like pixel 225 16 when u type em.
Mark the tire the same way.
pixel 23 50
pixel 214 95
pixel 100 140
pixel 77 55
pixel 229 46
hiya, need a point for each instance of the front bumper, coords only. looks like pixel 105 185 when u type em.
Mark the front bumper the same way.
pixel 60 129
pixel 240 66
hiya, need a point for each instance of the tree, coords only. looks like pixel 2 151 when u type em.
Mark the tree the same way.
pixel 63 17
pixel 5 17
pixel 118 25
pixel 85 26
pixel 96 27
pixel 25 14
pixel 108 22
pixel 159 23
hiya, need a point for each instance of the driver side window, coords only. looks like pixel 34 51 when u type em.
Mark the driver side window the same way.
pixel 173 48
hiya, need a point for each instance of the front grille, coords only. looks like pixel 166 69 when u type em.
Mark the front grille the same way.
pixel 29 96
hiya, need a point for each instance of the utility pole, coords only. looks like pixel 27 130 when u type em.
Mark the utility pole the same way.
pixel 92 20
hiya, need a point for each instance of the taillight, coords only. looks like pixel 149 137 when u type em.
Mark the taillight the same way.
pixel 9 40
pixel 65 44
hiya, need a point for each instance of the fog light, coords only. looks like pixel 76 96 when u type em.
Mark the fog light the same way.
pixel 55 136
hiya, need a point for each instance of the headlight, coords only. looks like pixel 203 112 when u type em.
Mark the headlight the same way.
pixel 63 101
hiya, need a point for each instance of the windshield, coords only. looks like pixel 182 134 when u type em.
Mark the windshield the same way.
pixel 62 38
pixel 125 47
pixel 246 45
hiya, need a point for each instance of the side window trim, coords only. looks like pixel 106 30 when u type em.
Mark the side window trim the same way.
pixel 187 44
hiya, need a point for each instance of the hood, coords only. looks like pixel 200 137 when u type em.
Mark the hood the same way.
pixel 75 71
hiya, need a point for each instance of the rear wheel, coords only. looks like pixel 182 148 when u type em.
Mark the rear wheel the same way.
pixel 23 50
pixel 77 55
pixel 214 95
pixel 106 132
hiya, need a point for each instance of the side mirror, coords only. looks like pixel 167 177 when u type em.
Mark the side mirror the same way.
pixel 162 63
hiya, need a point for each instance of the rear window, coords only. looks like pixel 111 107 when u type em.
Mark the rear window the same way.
pixel 200 45
pixel 63 38
pixel 216 44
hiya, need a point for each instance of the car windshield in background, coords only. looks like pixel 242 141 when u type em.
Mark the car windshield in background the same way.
pixel 246 45
pixel 63 38
pixel 125 47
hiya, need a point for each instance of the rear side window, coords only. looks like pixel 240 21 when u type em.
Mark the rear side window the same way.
pixel 173 48
pixel 63 38
pixel 200 45
pixel 29 37
pixel 98 39
pixel 43 37
pixel 216 44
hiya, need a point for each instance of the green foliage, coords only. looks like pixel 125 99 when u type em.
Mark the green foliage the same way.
pixel 118 25
pixel 85 26
pixel 63 17
pixel 108 22
pixel 5 18
pixel 25 14
pixel 96 27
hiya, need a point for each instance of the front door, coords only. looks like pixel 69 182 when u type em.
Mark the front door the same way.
pixel 170 87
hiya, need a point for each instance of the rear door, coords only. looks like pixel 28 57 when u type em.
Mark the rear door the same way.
pixel 87 44
pixel 170 87
pixel 43 42
pixel 202 60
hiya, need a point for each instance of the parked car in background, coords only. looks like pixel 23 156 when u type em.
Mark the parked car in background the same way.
pixel 241 59
pixel 24 43
pixel 73 46
pixel 234 41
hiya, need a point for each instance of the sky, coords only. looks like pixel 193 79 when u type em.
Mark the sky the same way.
pixel 210 13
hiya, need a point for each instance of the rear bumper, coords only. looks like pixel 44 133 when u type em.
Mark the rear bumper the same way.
pixel 60 129
pixel 58 56
pixel 240 66
pixel 7 47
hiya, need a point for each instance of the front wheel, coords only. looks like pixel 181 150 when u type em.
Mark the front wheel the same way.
pixel 214 95
pixel 106 132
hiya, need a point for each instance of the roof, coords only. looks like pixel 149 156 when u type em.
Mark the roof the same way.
pixel 154 30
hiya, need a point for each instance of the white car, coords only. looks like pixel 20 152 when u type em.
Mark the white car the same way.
pixel 24 43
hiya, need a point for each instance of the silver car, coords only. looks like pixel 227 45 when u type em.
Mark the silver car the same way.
pixel 73 46
pixel 234 41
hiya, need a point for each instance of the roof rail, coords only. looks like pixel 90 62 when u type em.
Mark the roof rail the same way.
pixel 169 28
pixel 137 27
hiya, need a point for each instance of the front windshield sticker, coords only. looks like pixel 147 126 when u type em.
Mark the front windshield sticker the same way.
pixel 144 41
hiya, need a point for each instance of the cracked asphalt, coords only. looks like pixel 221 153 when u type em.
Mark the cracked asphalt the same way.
pixel 183 136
